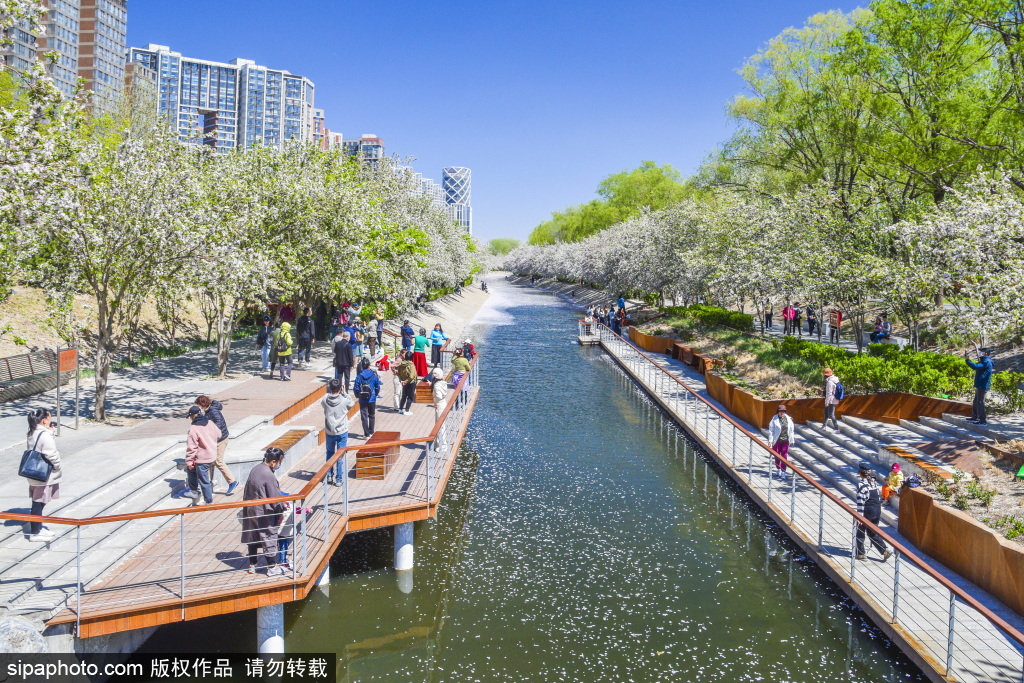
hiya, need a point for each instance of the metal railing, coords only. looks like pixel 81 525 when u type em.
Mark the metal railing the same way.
pixel 965 639
pixel 195 552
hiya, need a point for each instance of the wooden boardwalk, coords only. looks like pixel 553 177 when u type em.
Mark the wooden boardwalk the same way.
pixel 194 565
pixel 911 604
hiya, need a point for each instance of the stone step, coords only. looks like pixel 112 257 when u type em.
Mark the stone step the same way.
pixel 983 432
pixel 884 432
pixel 849 444
pixel 951 428
pixel 927 432
pixel 846 449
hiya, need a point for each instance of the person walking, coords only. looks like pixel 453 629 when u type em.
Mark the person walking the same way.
pixel 284 351
pixel 781 433
pixel 622 303
pixel 437 340
pixel 833 394
pixel 275 336
pixel 835 324
pixel 336 405
pixel 408 334
pixel 264 339
pixel 797 325
pixel 200 454
pixel 812 321
pixel 408 377
pixel 787 319
pixel 40 439
pixel 259 521
pixel 869 506
pixel 367 387
pixel 213 411
pixel 982 383
pixel 305 331
pixel 344 359
pixel 769 311
pixel 419 355
pixel 378 319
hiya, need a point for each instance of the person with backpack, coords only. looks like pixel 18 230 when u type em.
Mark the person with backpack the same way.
pixel 781 433
pixel 367 388
pixel 834 393
pixel 408 377
pixel 869 505
pixel 336 405
pixel 437 340
pixel 419 355
pixel 468 350
pixel 200 454
pixel 284 351
pixel 305 331
pixel 408 334
pixel 213 411
pixel 344 359
pixel 982 382
pixel 264 338
pixel 40 439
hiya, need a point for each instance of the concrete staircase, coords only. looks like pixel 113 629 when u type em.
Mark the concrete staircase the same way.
pixel 41 578
pixel 833 456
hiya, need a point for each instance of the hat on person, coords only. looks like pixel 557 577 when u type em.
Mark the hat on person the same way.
pixel 266 318
pixel 895 467
pixel 195 410
pixel 864 466
pixel 437 373
pixel 468 341
pixel 781 408
pixel 827 372
pixel 985 350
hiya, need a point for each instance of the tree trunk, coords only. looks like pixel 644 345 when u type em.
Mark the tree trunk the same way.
pixel 104 351
pixel 225 329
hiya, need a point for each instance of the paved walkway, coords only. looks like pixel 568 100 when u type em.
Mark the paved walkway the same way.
pixel 981 652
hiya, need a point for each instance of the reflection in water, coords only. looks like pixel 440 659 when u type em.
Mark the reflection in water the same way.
pixel 583 537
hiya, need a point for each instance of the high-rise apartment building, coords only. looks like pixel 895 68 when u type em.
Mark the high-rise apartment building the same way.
pixel 457 182
pixel 229 104
pixel 89 37
pixel 102 40
pixel 369 145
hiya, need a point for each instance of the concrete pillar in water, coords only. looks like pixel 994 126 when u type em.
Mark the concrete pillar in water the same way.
pixel 404 555
pixel 325 577
pixel 270 629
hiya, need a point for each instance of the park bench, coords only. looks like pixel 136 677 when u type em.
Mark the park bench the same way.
pixel 901 342
pixel 27 374
pixel 376 462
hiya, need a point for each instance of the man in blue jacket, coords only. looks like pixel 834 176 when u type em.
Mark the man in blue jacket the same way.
pixel 366 389
pixel 982 382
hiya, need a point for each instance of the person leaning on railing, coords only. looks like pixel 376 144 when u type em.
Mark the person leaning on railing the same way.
pixel 259 521
pixel 40 439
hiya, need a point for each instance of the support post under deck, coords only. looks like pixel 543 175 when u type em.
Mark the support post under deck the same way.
pixel 270 629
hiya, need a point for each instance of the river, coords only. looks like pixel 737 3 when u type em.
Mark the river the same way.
pixel 582 538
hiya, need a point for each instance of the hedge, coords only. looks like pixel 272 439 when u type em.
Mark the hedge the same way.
pixel 713 315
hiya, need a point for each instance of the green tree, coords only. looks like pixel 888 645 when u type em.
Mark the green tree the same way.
pixel 503 245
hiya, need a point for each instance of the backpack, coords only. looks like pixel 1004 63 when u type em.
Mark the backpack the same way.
pixel 840 392
pixel 282 343
pixel 365 392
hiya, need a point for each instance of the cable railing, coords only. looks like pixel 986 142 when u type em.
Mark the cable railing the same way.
pixel 109 564
pixel 961 637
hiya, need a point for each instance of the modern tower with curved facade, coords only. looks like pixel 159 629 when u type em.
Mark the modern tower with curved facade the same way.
pixel 457 183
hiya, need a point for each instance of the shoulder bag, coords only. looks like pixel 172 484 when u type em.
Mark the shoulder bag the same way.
pixel 34 464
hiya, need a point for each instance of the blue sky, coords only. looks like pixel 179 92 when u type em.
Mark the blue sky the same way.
pixel 540 99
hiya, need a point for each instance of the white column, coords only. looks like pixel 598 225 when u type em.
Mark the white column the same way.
pixel 270 629
pixel 403 547
pixel 325 577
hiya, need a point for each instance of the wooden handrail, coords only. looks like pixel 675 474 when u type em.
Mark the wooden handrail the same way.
pixel 302 495
pixel 907 554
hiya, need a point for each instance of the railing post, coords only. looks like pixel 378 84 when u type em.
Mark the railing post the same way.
pixel 952 632
pixel 430 479
pixel 792 497
pixel 734 446
pixel 327 513
pixel 853 553
pixel 896 589
pixel 182 534
pixel 78 580
pixel 720 421
pixel 344 483
pixel 750 460
pixel 302 503
pixel 821 516
pixel 769 480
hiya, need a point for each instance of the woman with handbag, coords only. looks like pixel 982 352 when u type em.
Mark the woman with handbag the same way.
pixel 40 465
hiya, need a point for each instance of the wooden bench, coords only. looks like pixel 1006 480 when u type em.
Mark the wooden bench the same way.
pixel 424 392
pixel 26 368
pixel 376 462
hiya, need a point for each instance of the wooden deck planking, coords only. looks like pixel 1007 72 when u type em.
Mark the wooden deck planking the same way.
pixel 149 585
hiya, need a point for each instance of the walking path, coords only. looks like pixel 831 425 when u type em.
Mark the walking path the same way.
pixel 904 596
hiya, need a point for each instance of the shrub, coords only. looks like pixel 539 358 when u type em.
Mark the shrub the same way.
pixel 730 361
pixel 714 315
pixel 1010 386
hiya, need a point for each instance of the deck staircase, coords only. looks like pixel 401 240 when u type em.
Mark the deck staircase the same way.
pixel 40 577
